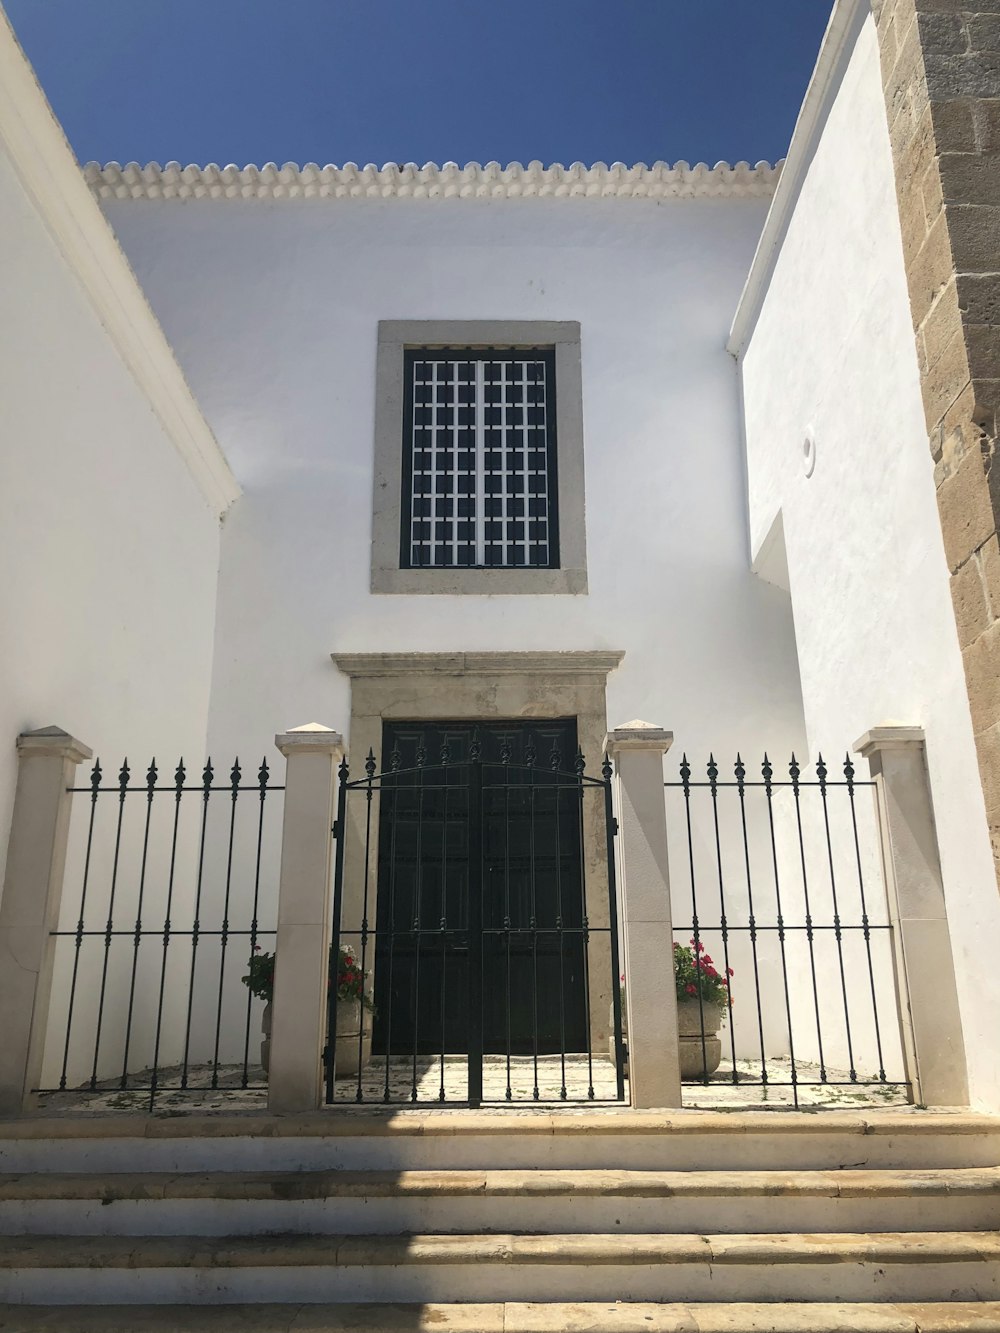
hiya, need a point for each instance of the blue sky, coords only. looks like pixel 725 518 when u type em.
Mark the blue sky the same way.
pixel 423 80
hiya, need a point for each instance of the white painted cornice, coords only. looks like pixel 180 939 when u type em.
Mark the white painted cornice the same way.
pixel 449 181
pixel 844 22
pixel 49 173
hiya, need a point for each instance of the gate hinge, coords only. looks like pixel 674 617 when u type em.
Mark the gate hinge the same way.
pixel 336 828
pixel 614 827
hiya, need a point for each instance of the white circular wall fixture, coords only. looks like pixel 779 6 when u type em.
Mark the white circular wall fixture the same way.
pixel 809 452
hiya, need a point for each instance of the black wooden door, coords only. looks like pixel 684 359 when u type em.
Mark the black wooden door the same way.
pixel 526 937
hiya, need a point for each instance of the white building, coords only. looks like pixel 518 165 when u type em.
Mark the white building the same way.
pixel 213 386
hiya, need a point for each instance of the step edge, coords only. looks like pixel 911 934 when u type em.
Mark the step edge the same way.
pixel 459 1123
pixel 519 1316
pixel 487 1309
pixel 342 1251
pixel 327 1184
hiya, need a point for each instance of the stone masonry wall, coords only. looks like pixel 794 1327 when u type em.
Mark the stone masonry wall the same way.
pixel 941 76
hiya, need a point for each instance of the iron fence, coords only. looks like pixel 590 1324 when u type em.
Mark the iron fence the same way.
pixel 474 904
pixel 177 889
pixel 780 912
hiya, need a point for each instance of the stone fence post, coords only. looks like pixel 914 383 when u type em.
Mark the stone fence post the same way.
pixel 29 910
pixel 302 946
pixel 933 1047
pixel 647 930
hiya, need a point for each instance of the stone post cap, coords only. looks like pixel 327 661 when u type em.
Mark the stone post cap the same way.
pixel 888 738
pixel 52 741
pixel 313 738
pixel 639 735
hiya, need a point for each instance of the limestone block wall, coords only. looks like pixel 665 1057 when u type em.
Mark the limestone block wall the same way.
pixel 940 63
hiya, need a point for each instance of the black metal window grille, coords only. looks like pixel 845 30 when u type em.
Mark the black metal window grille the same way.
pixel 479 459
pixel 778 881
pixel 177 889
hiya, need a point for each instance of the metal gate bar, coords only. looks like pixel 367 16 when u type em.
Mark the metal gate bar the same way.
pixel 779 874
pixel 165 869
pixel 535 815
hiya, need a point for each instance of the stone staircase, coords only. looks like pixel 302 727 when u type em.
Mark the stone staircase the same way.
pixel 468 1222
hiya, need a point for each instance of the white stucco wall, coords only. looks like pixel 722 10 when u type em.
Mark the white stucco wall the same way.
pixel 832 352
pixel 109 548
pixel 272 307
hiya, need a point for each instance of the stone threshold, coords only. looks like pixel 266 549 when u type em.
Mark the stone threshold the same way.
pixel 292 1250
pixel 513 1317
pixel 954 1182
pixel 366 1123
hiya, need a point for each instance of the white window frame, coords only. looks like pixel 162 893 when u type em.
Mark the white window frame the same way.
pixel 394 337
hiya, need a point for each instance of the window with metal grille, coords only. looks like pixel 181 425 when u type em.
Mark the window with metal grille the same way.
pixel 479 459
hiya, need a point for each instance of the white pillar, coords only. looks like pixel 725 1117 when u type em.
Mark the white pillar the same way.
pixel 647 930
pixel 302 945
pixel 29 910
pixel 928 997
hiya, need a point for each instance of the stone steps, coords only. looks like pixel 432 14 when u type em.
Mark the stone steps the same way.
pixel 512 1317
pixel 222 1203
pixel 889 1266
pixel 445 1140
pixel 462 1221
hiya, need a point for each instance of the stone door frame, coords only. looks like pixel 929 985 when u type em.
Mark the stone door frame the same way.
pixel 484 686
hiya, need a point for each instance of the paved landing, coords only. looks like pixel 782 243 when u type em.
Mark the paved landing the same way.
pixel 574 1074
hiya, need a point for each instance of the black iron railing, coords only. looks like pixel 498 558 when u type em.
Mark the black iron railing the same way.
pixel 177 888
pixel 778 893
pixel 476 893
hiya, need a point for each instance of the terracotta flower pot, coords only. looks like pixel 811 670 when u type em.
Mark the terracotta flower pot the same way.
pixel 695 1063
pixel 349 1025
pixel 265 1044
pixel 611 1034
pixel 699 1060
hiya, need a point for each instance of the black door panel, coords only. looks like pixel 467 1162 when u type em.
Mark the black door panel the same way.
pixel 531 945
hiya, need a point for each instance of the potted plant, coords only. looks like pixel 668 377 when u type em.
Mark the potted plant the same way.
pixel 355 1012
pixel 353 1002
pixel 260 982
pixel 611 1025
pixel 703 997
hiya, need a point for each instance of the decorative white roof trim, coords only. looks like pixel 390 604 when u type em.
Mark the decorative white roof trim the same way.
pixel 844 21
pixel 50 175
pixel 449 181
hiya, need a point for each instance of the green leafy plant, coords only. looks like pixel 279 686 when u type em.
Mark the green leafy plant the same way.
pixel 260 978
pixel 350 978
pixel 696 975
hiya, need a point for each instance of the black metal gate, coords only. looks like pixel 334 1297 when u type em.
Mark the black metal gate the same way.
pixel 475 937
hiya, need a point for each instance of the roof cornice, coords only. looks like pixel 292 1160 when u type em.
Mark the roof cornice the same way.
pixel 449 181
pixel 47 170
pixel 845 21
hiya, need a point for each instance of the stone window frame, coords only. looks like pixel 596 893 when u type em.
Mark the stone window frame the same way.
pixel 394 337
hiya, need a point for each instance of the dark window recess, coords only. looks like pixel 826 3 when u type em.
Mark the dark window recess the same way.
pixel 479 459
